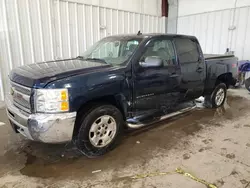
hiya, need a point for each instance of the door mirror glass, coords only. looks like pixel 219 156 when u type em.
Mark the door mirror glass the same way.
pixel 152 61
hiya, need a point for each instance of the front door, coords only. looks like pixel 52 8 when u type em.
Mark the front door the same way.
pixel 157 87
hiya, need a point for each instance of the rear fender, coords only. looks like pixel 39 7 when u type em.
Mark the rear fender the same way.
pixel 211 83
pixel 226 78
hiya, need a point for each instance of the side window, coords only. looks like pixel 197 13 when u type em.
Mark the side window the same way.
pixel 187 50
pixel 163 49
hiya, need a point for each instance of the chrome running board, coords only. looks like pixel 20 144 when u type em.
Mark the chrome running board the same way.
pixel 182 111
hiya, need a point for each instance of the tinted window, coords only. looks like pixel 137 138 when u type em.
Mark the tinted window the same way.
pixel 163 49
pixel 187 50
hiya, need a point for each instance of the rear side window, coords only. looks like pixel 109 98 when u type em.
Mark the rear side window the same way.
pixel 187 50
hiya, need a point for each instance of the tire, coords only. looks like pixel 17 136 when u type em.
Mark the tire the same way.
pixel 100 130
pixel 247 84
pixel 218 97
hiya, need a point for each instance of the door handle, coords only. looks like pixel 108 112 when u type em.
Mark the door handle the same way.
pixel 173 74
pixel 199 69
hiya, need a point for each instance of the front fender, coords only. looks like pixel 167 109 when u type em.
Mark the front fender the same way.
pixel 85 88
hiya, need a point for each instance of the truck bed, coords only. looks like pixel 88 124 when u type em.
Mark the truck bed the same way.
pixel 217 56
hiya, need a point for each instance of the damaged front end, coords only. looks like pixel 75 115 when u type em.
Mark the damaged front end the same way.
pixel 52 128
pixel 40 114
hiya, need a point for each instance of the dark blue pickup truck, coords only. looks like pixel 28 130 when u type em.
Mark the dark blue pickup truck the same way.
pixel 124 81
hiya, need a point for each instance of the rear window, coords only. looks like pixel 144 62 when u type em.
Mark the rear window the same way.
pixel 187 50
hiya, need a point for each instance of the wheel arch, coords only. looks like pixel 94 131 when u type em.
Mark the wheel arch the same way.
pixel 116 100
pixel 226 78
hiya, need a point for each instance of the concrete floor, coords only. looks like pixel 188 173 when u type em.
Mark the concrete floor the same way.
pixel 211 144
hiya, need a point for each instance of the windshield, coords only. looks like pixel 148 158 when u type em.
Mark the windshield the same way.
pixel 112 50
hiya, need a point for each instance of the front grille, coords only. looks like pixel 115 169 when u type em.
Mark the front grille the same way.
pixel 21 89
pixel 22 102
pixel 21 97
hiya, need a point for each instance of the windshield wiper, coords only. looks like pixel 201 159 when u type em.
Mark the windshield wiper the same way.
pixel 81 57
pixel 97 59
pixel 93 59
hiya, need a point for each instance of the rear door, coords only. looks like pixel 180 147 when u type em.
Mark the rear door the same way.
pixel 157 88
pixel 193 67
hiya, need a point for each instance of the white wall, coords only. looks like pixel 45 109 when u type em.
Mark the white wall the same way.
pixel 217 24
pixel 172 16
pixel 42 30
pixel 188 7
pixel 152 7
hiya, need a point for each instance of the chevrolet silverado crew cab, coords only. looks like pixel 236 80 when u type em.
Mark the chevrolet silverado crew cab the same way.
pixel 124 81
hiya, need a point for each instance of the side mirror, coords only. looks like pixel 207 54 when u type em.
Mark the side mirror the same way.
pixel 152 61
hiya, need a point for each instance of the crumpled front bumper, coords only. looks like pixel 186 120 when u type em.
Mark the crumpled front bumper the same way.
pixel 47 128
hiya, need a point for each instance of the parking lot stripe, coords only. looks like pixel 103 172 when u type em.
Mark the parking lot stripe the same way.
pixel 1 124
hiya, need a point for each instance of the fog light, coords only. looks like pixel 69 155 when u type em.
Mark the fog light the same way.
pixel 32 123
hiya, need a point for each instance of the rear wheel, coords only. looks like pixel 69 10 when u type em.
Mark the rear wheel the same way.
pixel 247 84
pixel 100 130
pixel 218 97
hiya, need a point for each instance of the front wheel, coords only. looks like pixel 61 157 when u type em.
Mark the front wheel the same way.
pixel 100 130
pixel 218 97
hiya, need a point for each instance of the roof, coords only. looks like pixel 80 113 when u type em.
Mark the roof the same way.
pixel 147 35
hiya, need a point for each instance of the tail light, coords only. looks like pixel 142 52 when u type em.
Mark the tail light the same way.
pixel 234 65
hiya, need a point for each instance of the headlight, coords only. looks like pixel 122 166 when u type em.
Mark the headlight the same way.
pixel 51 100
